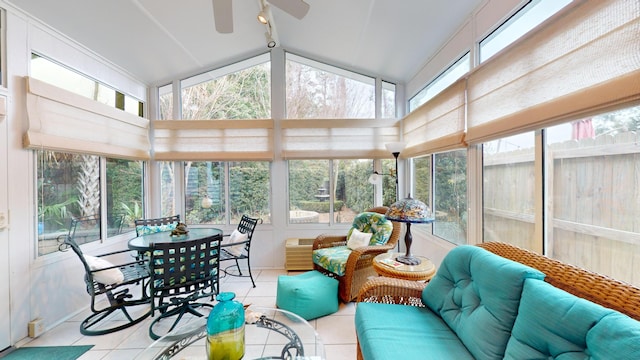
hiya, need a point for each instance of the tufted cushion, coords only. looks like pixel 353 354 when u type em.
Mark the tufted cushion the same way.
pixel 309 295
pixel 579 333
pixel 333 259
pixel 151 229
pixel 374 223
pixel 482 308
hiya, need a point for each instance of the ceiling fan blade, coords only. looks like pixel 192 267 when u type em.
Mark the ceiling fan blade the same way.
pixel 295 8
pixel 223 16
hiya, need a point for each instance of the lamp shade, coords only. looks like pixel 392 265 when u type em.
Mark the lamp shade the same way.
pixel 395 147
pixel 409 210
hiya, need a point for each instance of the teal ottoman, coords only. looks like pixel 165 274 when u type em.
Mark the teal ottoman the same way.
pixel 309 295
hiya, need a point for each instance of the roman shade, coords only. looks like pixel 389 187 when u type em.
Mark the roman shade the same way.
pixel 338 138
pixel 60 120
pixel 438 124
pixel 223 140
pixel 585 60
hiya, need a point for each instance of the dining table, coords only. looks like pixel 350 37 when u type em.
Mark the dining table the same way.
pixel 145 242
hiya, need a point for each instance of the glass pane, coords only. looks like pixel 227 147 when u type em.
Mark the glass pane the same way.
pixel 388 108
pixel 594 216
pixel 508 178
pixel 451 196
pixel 242 94
pixel 422 186
pixel 389 182
pixel 124 195
pixel 68 190
pixel 519 24
pixel 166 101
pixel 309 196
pixel 353 193
pixel 448 77
pixel 167 188
pixel 205 192
pixel 249 189
pixel 316 90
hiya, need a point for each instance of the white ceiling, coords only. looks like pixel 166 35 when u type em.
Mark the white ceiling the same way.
pixel 159 40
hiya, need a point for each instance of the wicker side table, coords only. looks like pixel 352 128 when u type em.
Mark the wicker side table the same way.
pixel 385 265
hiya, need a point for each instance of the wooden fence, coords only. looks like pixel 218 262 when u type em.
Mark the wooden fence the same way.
pixel 592 202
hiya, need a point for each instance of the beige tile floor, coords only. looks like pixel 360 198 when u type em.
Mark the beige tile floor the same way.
pixel 336 331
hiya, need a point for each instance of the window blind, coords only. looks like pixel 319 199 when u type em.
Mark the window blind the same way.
pixel 60 120
pixel 585 60
pixel 438 124
pixel 221 140
pixel 338 138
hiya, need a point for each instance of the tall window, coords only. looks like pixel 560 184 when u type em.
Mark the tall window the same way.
pixel 165 95
pixel 530 16
pixel 450 196
pixel 422 182
pixel 316 90
pixel 324 191
pixel 70 199
pixel 220 193
pixel 237 91
pixel 168 205
pixel 388 105
pixel 441 82
pixel 508 180
pixel 70 80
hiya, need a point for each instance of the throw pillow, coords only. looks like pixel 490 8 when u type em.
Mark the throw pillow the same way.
pixel 236 237
pixel 358 239
pixel 108 276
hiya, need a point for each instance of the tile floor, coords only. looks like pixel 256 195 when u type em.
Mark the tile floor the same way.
pixel 336 331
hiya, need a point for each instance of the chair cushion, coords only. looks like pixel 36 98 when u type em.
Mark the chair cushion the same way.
pixel 333 259
pixel 108 276
pixel 152 229
pixel 480 308
pixel 582 333
pixel 374 223
pixel 391 331
pixel 358 239
pixel 309 295
pixel 236 237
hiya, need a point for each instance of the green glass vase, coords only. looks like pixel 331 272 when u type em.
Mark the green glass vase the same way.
pixel 225 329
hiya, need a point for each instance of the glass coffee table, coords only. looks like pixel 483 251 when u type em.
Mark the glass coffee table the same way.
pixel 277 334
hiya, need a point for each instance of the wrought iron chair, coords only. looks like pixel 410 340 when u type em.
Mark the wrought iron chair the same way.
pixel 114 282
pixel 181 273
pixel 240 250
pixel 149 226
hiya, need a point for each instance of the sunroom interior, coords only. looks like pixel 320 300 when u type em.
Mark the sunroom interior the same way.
pixel 519 123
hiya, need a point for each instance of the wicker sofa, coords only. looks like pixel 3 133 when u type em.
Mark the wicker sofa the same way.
pixel 554 310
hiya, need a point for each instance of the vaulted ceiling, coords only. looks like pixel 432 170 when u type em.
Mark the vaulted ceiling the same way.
pixel 160 40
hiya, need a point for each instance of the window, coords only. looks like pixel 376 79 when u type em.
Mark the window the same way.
pixel 592 180
pixel 530 16
pixel 165 95
pixel 70 80
pixel 508 178
pixel 441 82
pixel 324 191
pixel 206 190
pixel 450 196
pixel 167 188
pixel 389 188
pixel 237 91
pixel 316 90
pixel 70 200
pixel 421 174
pixel 388 105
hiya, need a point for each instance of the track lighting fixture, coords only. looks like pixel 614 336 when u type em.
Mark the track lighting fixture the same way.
pixel 262 15
pixel 270 42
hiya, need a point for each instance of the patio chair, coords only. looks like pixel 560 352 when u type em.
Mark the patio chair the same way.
pixel 182 272
pixel 104 279
pixel 239 247
pixel 150 226
pixel 351 264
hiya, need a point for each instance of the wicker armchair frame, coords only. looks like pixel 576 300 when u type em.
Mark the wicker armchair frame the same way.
pixel 359 265
pixel 600 289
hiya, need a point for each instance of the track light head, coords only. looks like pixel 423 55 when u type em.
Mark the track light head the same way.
pixel 262 15
pixel 270 42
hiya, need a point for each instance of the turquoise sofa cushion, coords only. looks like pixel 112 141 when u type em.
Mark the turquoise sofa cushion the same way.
pixel 552 324
pixel 309 295
pixel 389 331
pixel 615 336
pixel 480 308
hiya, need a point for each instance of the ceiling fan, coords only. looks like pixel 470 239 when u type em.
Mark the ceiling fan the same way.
pixel 223 12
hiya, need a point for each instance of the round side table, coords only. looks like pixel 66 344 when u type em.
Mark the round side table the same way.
pixel 385 265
